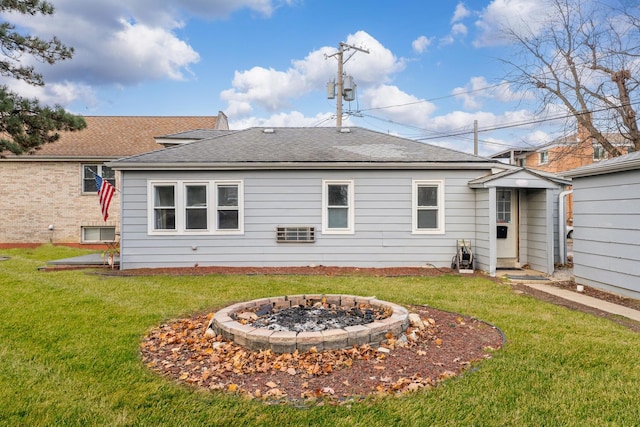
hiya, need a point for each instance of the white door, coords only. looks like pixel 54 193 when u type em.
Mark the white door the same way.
pixel 507 227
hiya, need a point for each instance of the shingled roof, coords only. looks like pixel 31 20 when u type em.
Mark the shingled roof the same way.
pixel 112 137
pixel 269 146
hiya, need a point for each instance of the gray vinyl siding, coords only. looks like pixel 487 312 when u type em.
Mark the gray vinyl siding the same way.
pixel 481 245
pixel 537 231
pixel 606 233
pixel 383 221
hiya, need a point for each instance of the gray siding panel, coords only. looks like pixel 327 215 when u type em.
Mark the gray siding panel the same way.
pixel 607 231
pixel 383 218
pixel 537 230
pixel 480 246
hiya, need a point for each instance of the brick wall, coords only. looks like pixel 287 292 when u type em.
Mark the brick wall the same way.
pixel 34 195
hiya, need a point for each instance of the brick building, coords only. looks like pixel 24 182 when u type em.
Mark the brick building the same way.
pixel 49 195
pixel 561 155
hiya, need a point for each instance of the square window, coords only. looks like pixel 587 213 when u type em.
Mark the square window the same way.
pixel 89 173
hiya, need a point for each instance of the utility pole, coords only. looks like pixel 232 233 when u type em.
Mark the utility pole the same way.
pixel 342 47
pixel 475 137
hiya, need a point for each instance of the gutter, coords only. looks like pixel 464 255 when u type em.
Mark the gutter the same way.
pixel 562 226
pixel 304 166
pixel 601 169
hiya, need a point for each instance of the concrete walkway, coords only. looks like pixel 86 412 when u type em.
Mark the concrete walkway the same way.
pixel 587 300
pixel 541 282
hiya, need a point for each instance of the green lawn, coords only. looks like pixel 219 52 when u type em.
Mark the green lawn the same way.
pixel 69 353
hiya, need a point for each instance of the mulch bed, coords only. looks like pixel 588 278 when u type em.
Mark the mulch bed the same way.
pixel 449 346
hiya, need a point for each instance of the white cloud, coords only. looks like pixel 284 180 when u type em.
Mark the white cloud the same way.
pixel 121 43
pixel 408 109
pixel 421 44
pixel 272 89
pixel 479 89
pixel 460 13
pixel 516 14
pixel 459 30
pixel 290 119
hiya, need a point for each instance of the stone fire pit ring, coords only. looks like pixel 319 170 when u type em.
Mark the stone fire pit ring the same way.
pixel 256 338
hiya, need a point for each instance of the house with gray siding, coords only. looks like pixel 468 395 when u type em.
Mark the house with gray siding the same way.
pixel 327 196
pixel 606 233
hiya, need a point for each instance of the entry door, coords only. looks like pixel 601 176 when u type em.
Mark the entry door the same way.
pixel 507 227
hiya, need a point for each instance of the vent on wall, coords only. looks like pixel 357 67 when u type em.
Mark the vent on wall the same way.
pixel 298 234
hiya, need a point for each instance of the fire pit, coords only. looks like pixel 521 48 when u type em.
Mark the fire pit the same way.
pixel 302 322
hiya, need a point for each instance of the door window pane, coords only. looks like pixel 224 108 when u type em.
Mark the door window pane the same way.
pixel 503 206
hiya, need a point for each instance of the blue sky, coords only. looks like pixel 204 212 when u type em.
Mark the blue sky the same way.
pixel 433 66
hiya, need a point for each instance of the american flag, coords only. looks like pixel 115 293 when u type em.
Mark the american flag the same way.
pixel 105 191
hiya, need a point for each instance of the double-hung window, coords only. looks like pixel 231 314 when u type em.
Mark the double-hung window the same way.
pixel 164 207
pixel 227 206
pixel 428 207
pixel 195 207
pixel 338 207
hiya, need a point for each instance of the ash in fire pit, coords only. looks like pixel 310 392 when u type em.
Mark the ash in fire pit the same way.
pixel 304 322
pixel 314 319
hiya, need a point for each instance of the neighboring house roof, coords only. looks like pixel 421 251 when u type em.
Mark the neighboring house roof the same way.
pixel 616 164
pixel 290 147
pixel 565 141
pixel 112 137
pixel 190 136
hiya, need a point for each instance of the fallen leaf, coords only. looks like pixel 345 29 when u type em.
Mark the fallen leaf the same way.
pixel 291 371
pixel 271 384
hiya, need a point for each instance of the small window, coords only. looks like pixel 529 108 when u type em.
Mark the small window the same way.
pixel 543 157
pixel 98 234
pixel 164 207
pixel 296 234
pixel 599 153
pixel 338 212
pixel 89 173
pixel 428 207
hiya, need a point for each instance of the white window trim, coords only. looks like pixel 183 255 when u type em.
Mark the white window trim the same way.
pixel 214 207
pixel 441 208
pixel 181 202
pixel 325 208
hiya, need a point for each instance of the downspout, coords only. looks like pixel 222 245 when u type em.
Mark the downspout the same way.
pixel 562 225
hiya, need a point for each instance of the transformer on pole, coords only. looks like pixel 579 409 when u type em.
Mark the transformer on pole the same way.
pixel 343 86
